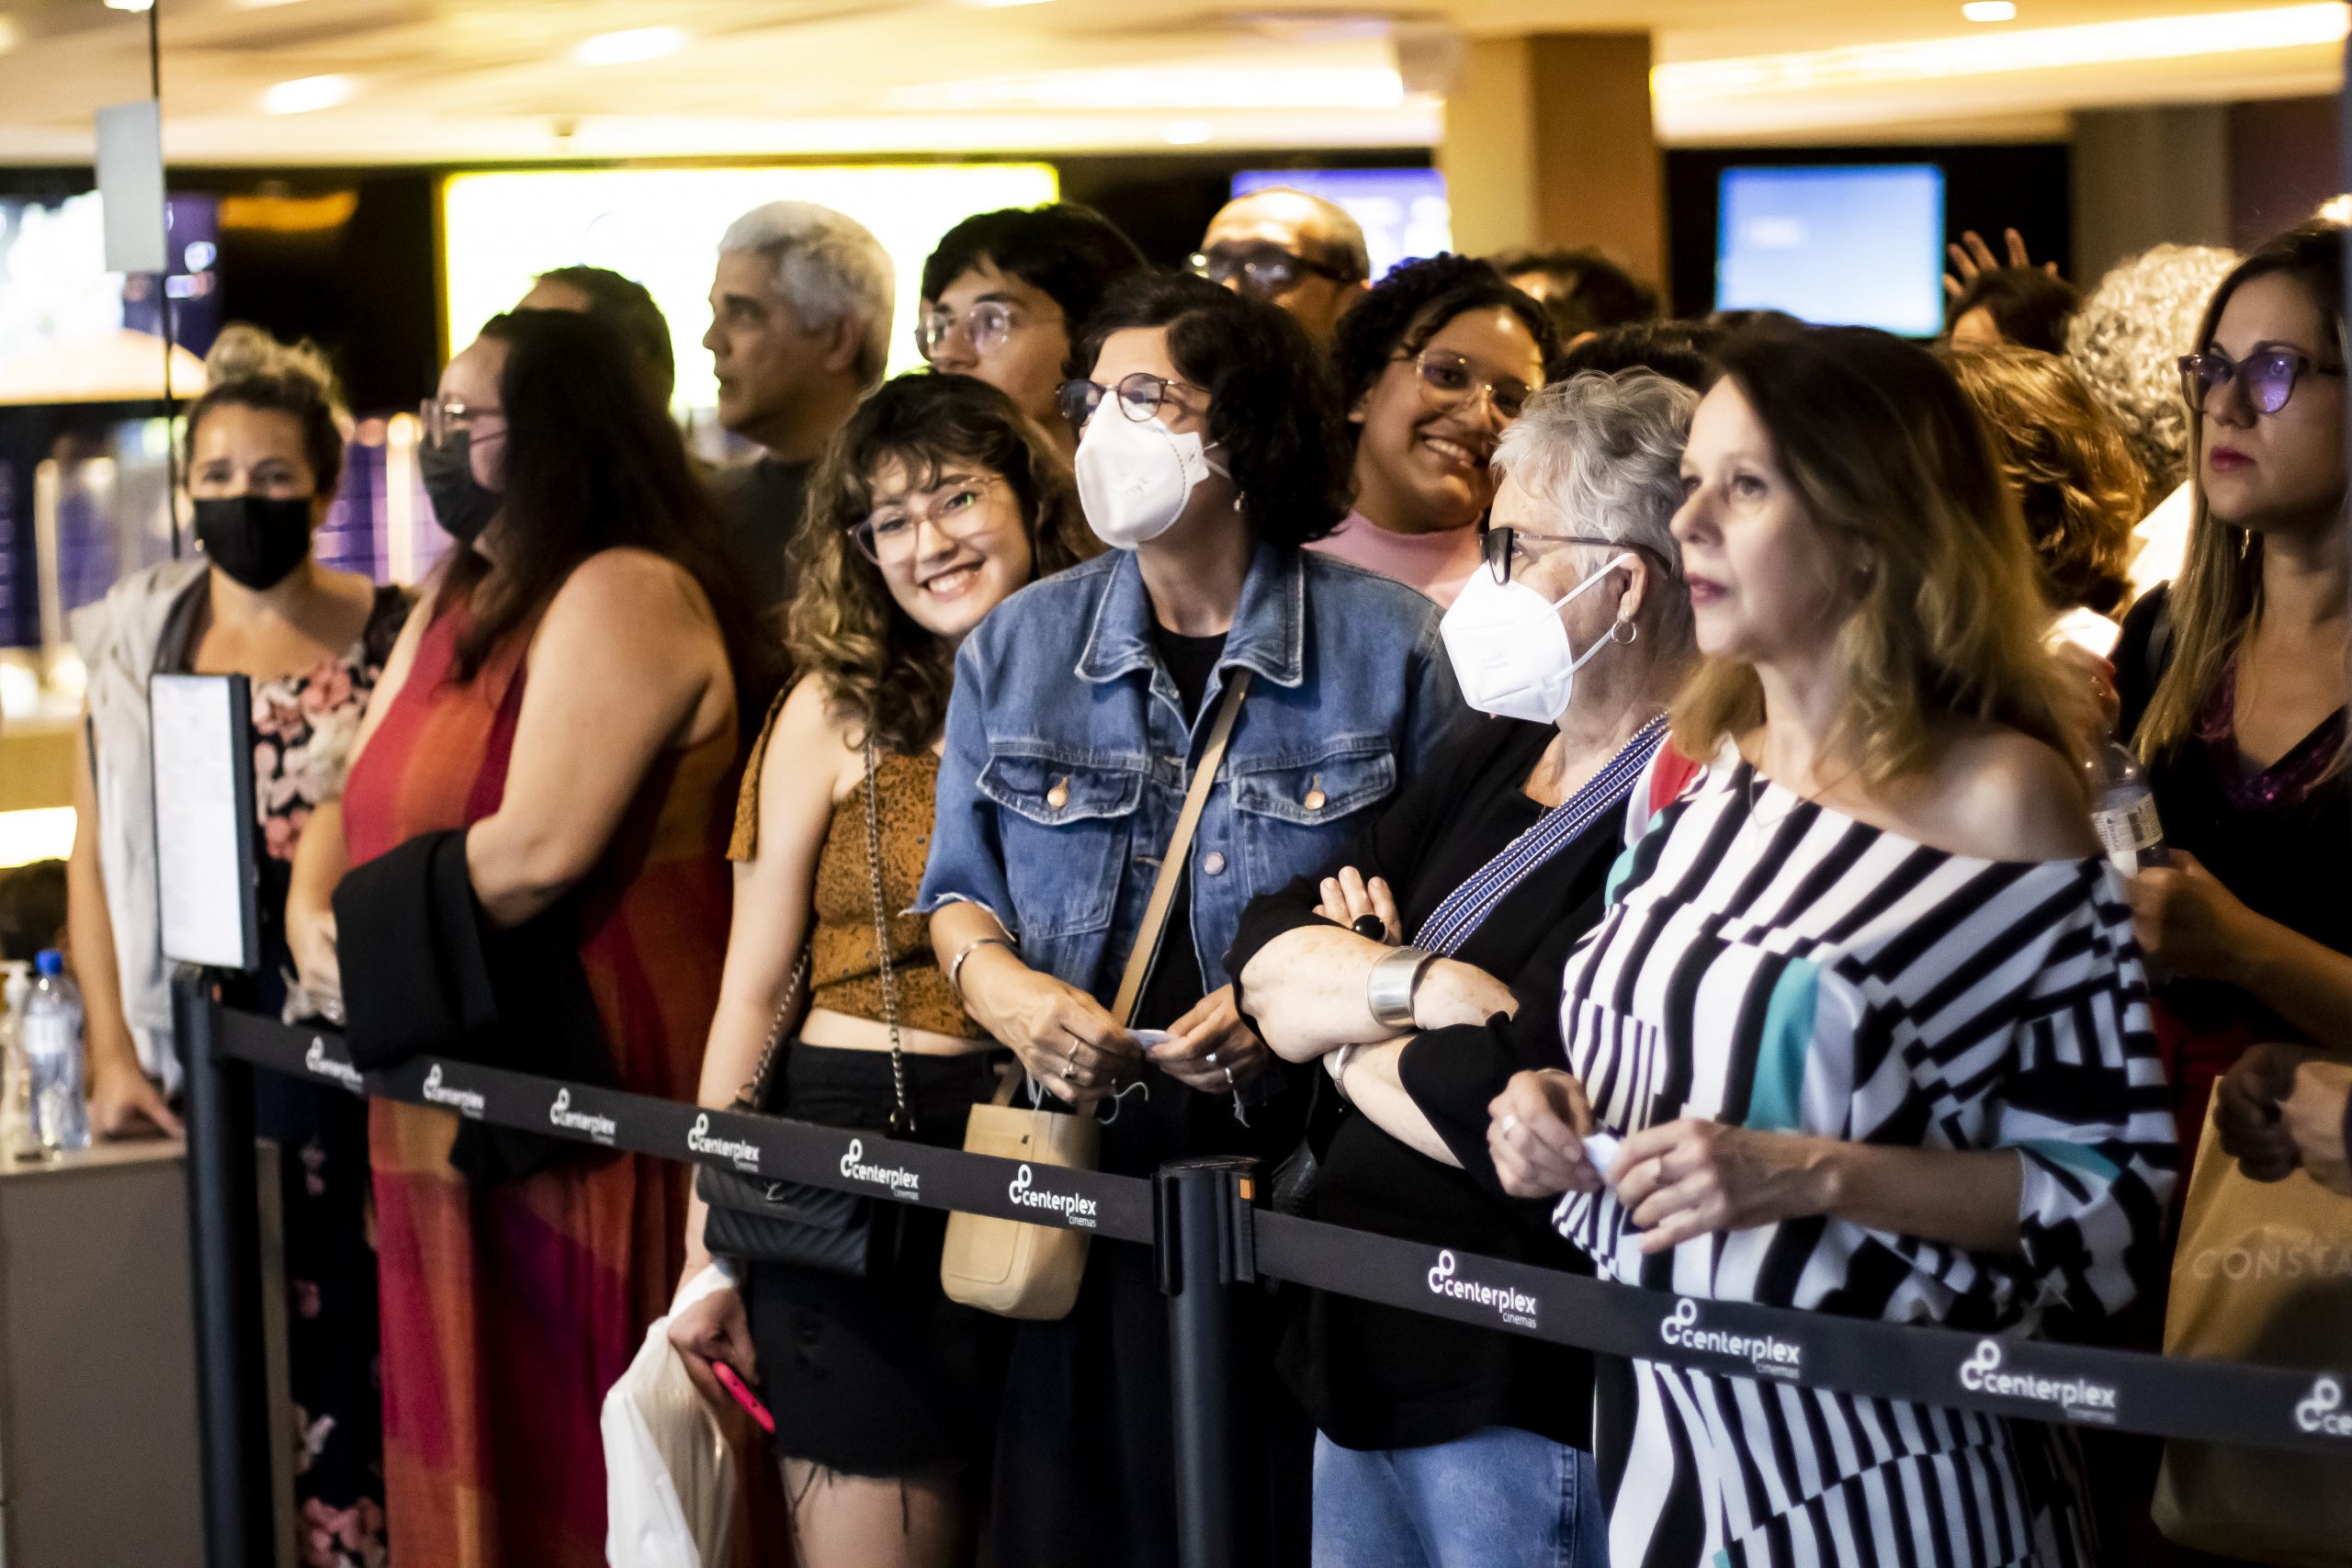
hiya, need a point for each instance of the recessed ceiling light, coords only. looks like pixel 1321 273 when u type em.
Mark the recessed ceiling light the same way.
pixel 629 47
pixel 1185 132
pixel 131 4
pixel 998 5
pixel 1990 10
pixel 306 95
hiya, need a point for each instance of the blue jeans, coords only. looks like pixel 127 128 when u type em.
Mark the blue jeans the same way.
pixel 1497 1498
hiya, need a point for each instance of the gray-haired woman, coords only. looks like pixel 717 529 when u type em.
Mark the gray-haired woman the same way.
pixel 1425 970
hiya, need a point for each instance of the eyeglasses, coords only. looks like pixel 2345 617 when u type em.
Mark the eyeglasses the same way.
pixel 985 326
pixel 1449 381
pixel 443 418
pixel 1140 397
pixel 956 508
pixel 1502 547
pixel 1262 271
pixel 2268 375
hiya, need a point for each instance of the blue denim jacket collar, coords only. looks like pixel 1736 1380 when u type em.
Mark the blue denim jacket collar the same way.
pixel 1269 633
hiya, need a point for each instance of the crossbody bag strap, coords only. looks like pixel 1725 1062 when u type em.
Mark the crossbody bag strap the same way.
pixel 1180 849
pixel 757 1094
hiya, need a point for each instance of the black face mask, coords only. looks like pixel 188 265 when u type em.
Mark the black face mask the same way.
pixel 462 504
pixel 256 539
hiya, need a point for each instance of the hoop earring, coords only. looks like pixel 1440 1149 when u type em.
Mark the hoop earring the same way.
pixel 1631 633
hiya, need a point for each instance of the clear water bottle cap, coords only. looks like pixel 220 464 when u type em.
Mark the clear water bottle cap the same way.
pixel 49 963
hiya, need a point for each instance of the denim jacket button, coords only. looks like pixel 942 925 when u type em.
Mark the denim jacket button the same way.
pixel 1058 796
pixel 1213 863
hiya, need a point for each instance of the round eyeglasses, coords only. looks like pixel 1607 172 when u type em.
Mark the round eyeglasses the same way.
pixel 956 508
pixel 1502 549
pixel 1262 271
pixel 2269 376
pixel 985 326
pixel 1140 397
pixel 1450 381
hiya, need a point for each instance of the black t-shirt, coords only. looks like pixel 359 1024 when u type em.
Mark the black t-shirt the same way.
pixel 761 501
pixel 2287 858
pixel 1176 982
pixel 1379 1377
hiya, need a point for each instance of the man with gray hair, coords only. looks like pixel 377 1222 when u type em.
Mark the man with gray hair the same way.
pixel 799 332
pixel 1294 250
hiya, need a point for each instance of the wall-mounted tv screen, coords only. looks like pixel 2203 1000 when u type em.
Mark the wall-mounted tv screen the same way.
pixel 1853 245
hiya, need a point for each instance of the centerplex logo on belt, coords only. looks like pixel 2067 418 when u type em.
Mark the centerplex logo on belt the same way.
pixel 466 1102
pixel 1073 1209
pixel 1512 1304
pixel 1766 1353
pixel 2080 1398
pixel 317 1060
pixel 745 1155
pixel 902 1182
pixel 2322 1410
pixel 600 1128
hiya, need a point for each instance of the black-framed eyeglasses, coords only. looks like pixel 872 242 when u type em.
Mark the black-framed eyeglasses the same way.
pixel 1501 549
pixel 2269 373
pixel 956 507
pixel 1449 380
pixel 985 326
pixel 1141 396
pixel 1262 270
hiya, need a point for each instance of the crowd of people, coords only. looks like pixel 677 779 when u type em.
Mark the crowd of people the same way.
pixel 1394 729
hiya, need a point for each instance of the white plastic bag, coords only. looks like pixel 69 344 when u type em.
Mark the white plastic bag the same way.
pixel 671 1487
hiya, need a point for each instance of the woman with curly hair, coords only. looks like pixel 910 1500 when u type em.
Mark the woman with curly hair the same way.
pixel 2072 475
pixel 1208 453
pixel 1439 358
pixel 936 501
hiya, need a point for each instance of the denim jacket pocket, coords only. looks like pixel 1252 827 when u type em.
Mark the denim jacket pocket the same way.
pixel 1065 827
pixel 1295 814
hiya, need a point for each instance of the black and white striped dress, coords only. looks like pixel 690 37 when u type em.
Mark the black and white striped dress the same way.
pixel 1770 963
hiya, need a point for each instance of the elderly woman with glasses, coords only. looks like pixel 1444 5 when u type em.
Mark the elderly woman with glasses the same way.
pixel 1083 711
pixel 1433 367
pixel 1422 966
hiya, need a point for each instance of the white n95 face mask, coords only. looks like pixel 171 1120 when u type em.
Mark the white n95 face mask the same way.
pixel 1135 476
pixel 1511 649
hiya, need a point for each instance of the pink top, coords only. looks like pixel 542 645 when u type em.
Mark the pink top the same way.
pixel 1437 564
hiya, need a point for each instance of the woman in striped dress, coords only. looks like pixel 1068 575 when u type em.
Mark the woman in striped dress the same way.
pixel 1865 1007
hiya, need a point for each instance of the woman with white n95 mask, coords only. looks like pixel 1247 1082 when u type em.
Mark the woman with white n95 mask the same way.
pixel 1085 708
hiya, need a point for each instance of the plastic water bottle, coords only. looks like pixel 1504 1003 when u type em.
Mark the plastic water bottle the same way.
pixel 2123 809
pixel 52 1036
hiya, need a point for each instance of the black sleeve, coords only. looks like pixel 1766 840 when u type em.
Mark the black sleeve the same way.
pixel 1393 846
pixel 2142 651
pixel 1453 1074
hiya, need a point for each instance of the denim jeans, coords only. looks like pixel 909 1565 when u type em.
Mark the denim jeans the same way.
pixel 1497 1498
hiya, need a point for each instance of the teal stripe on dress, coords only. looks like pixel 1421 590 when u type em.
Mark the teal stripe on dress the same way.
pixel 1778 1090
pixel 1620 873
pixel 2082 1157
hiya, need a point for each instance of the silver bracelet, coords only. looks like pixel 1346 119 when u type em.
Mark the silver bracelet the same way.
pixel 1336 1064
pixel 956 964
pixel 1388 989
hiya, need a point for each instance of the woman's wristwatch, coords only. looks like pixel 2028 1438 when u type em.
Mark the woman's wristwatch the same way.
pixel 1388 990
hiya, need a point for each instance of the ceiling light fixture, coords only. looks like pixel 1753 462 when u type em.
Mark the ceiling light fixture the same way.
pixel 998 4
pixel 1185 132
pixel 131 4
pixel 1164 87
pixel 2031 48
pixel 1990 10
pixel 629 47
pixel 307 95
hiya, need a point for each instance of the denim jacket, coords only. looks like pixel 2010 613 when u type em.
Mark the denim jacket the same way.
pixel 1067 752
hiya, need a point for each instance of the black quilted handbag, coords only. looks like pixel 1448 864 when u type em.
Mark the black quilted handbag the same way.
pixel 758 1221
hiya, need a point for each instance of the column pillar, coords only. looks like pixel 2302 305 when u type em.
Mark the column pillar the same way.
pixel 1549 144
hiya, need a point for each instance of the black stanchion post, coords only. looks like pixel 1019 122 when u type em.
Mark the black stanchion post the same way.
pixel 1201 1250
pixel 225 1253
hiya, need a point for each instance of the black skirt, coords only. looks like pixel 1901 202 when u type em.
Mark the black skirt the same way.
pixel 882 1376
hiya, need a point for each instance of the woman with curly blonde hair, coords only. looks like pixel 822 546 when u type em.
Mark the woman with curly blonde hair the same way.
pixel 937 502
pixel 2072 474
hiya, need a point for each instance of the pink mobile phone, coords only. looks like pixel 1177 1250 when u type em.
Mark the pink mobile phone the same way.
pixel 741 1392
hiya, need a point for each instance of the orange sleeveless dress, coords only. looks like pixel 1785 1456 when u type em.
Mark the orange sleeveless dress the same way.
pixel 509 1310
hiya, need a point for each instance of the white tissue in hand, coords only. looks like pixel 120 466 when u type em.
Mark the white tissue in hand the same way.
pixel 1600 1148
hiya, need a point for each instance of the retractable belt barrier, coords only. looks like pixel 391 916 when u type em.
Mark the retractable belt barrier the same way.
pixel 2265 1406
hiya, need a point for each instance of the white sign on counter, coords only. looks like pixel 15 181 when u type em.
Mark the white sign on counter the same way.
pixel 204 820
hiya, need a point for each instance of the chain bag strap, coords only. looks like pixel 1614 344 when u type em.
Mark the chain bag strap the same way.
pixel 796 1222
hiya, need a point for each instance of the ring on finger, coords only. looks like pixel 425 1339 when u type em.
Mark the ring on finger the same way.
pixel 1509 1121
